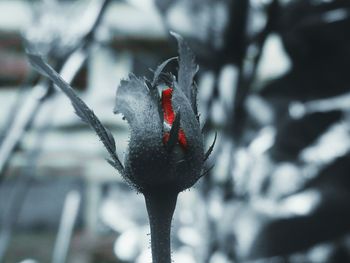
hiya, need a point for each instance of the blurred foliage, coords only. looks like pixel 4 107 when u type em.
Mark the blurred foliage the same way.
pixel 280 189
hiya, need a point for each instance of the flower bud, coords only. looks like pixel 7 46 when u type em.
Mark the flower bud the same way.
pixel 165 154
pixel 166 143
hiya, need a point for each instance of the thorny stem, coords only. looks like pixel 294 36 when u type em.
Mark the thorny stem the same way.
pixel 160 208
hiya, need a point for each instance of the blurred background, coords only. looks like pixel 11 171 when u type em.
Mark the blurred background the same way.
pixel 273 82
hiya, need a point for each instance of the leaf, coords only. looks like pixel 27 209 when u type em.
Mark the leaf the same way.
pixel 187 66
pixel 174 132
pixel 81 109
pixel 207 154
pixel 206 172
pixel 111 139
pixel 194 91
pixel 160 69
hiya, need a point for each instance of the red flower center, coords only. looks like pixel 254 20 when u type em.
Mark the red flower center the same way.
pixel 169 117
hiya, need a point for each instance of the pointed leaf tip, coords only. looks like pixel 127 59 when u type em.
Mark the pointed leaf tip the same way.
pixel 37 63
pixel 176 35
pixel 160 69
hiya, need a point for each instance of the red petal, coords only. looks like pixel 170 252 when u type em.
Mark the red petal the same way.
pixel 169 115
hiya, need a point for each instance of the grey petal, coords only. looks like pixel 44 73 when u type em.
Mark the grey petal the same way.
pixel 146 158
pixel 136 103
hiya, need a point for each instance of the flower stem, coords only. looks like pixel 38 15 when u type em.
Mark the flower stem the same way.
pixel 160 208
